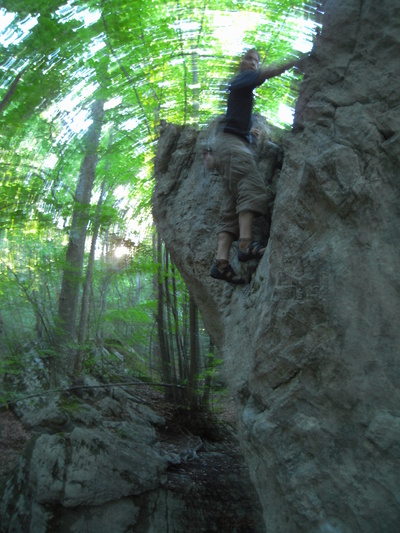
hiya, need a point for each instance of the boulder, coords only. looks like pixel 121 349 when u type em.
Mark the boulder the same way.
pixel 101 460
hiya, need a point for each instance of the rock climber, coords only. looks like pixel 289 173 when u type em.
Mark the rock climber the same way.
pixel 245 191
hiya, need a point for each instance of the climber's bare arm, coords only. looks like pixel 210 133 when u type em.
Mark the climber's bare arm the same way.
pixel 273 71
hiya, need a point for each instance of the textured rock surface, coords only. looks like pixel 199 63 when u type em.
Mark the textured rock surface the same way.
pixel 312 344
pixel 100 460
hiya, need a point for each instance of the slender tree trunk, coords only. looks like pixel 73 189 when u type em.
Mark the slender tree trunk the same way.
pixel 169 320
pixel 84 318
pixel 206 399
pixel 72 275
pixel 195 82
pixel 89 270
pixel 7 97
pixel 178 339
pixel 82 330
pixel 103 293
pixel 186 337
pixel 2 334
pixel 154 352
pixel 164 352
pixel 194 356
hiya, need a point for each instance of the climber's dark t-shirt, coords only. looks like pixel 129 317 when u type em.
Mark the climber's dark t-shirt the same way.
pixel 240 103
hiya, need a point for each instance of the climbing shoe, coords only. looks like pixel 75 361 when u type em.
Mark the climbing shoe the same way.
pixel 254 251
pixel 226 274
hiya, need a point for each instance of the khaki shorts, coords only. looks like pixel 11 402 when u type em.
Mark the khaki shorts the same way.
pixel 244 186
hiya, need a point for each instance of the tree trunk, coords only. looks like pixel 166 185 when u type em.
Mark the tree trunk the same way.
pixel 195 83
pixel 206 398
pixel 72 275
pixel 7 97
pixel 89 272
pixel 178 339
pixel 163 345
pixel 83 322
pixel 194 397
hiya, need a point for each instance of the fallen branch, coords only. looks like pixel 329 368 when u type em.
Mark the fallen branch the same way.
pixel 79 387
pixel 10 92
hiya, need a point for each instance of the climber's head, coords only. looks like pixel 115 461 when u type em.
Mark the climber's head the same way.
pixel 250 60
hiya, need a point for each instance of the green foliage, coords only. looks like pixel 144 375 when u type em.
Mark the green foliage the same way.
pixel 148 60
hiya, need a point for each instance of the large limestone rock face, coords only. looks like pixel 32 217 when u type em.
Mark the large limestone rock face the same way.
pixel 312 343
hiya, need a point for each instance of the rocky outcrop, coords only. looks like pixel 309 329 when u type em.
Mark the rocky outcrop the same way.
pixel 311 344
pixel 186 205
pixel 114 458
